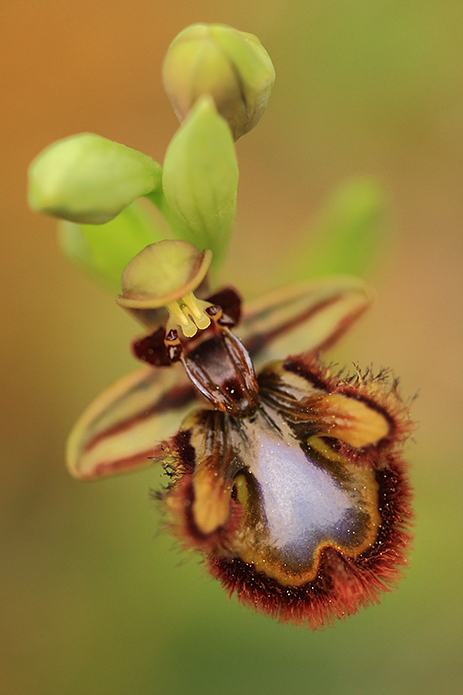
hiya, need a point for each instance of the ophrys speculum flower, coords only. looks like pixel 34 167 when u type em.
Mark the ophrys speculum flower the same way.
pixel 291 482
pixel 287 476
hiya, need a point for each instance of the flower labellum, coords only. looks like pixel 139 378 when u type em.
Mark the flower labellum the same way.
pixel 302 507
pixel 285 475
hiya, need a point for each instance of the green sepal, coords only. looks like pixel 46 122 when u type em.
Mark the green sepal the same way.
pixel 105 250
pixel 89 179
pixel 200 180
pixel 349 235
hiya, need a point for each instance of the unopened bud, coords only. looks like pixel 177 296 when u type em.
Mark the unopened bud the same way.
pixel 89 179
pixel 231 66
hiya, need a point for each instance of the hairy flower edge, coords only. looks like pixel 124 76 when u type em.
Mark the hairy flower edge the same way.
pixel 342 583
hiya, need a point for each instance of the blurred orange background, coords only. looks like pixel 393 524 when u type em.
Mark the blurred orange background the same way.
pixel 95 600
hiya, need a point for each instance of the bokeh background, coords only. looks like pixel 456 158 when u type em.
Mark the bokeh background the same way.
pixel 94 599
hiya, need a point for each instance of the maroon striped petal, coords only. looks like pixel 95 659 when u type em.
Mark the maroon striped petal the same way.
pixel 125 425
pixel 303 318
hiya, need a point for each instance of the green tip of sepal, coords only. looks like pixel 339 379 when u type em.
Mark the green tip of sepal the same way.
pixel 349 235
pixel 200 180
pixel 229 65
pixel 103 251
pixel 89 179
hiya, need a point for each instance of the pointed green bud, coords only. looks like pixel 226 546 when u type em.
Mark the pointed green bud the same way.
pixel 104 250
pixel 231 66
pixel 89 179
pixel 200 179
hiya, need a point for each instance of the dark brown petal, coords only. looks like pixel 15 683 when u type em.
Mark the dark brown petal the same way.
pixel 221 370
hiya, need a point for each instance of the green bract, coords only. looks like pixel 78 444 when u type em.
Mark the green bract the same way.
pixel 89 179
pixel 105 250
pixel 231 66
pixel 200 179
pixel 348 235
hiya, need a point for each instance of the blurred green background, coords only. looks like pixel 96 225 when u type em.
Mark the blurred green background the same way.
pixel 95 599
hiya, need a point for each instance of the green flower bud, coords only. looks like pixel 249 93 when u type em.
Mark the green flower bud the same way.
pixel 89 179
pixel 231 66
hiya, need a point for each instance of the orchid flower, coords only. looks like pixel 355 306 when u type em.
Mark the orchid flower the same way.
pixel 290 480
pixel 285 474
